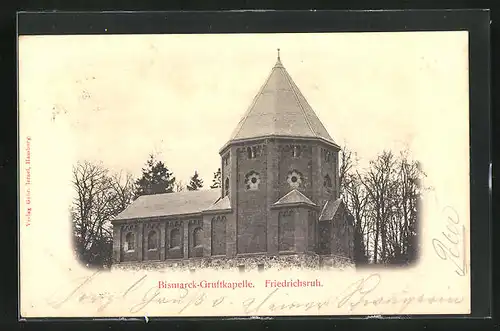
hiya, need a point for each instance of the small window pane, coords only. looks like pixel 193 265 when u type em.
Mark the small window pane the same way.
pixel 197 237
pixel 175 238
pixel 129 242
pixel 152 240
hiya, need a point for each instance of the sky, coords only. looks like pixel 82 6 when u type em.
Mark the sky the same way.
pixel 118 98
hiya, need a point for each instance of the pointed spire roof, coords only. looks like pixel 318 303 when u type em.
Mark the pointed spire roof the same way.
pixel 280 109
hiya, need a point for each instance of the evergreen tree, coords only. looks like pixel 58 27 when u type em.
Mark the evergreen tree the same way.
pixel 217 179
pixel 156 178
pixel 195 183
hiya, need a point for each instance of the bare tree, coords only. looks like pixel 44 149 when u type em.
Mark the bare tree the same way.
pixel 380 184
pixel 347 162
pixel 99 197
pixel 384 201
pixel 357 204
pixel 353 195
pixel 404 225
pixel 124 186
pixel 179 186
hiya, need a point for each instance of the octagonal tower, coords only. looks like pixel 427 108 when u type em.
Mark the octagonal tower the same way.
pixel 280 173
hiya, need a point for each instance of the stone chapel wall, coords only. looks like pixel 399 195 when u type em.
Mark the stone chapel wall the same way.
pixel 251 198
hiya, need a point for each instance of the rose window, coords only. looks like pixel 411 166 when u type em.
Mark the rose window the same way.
pixel 252 180
pixel 294 179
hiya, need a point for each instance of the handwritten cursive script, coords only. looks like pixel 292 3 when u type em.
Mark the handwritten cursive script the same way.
pixel 102 299
pixel 140 297
pixel 450 246
pixel 357 291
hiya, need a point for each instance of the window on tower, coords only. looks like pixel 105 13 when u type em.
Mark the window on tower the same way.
pixel 335 170
pixel 328 181
pixel 294 179
pixel 327 156
pixel 252 180
pixel 252 152
pixel 226 186
pixel 295 151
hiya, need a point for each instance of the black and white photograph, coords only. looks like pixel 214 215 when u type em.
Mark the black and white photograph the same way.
pixel 294 197
pixel 244 174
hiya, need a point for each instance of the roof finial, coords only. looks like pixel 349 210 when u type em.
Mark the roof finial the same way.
pixel 279 55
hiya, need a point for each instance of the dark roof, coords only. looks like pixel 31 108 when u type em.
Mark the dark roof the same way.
pixel 329 210
pixel 294 197
pixel 166 204
pixel 332 207
pixel 280 109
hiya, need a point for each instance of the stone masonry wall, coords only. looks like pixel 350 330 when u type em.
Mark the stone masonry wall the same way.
pixel 248 263
pixel 252 214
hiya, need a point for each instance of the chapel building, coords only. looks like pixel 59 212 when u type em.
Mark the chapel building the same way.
pixel 279 200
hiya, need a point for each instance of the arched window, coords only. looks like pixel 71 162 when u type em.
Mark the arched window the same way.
pixel 130 242
pixel 327 156
pixel 226 186
pixel 175 238
pixel 328 181
pixel 324 237
pixel 251 152
pixel 218 235
pixel 152 240
pixel 197 237
pixel 295 151
pixel 286 230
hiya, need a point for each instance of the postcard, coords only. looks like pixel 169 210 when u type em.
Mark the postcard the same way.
pixel 181 175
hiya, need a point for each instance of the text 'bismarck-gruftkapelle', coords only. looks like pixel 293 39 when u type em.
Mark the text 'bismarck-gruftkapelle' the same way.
pixel 206 284
pixel 239 284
